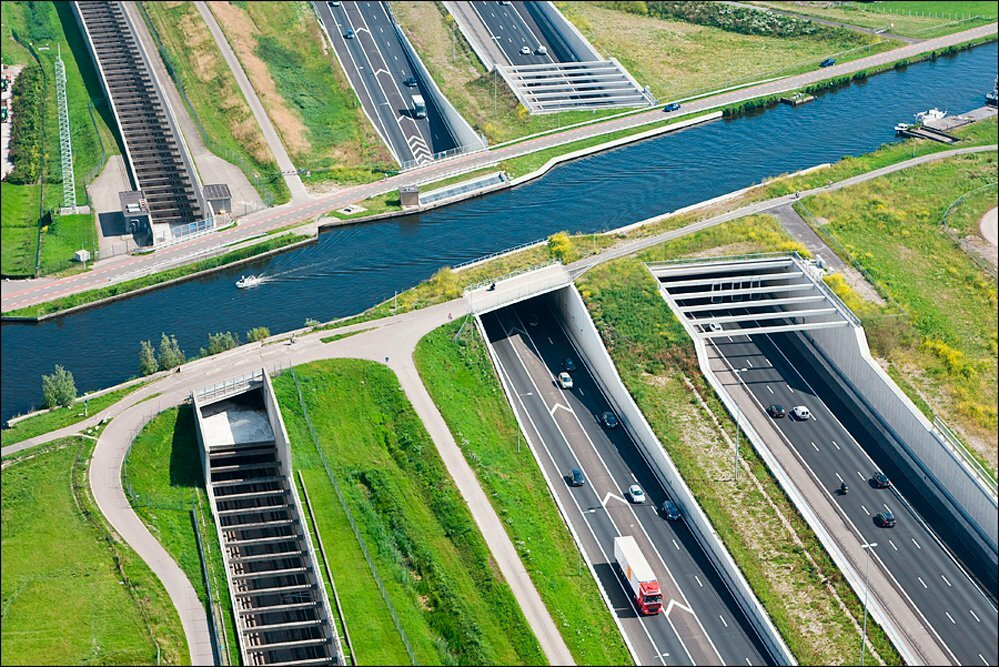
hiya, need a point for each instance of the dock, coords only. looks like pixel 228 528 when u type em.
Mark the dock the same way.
pixel 797 98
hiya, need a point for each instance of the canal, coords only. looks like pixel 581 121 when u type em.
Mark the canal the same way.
pixel 352 268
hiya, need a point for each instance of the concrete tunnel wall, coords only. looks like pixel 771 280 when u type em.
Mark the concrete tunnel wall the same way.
pixel 915 444
pixel 576 319
pixel 564 37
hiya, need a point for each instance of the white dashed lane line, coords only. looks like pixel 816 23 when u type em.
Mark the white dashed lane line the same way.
pixel 922 582
pixel 945 581
pixel 915 542
pixel 975 615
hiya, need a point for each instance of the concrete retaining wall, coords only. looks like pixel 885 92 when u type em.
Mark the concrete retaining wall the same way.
pixel 561 33
pixel 581 330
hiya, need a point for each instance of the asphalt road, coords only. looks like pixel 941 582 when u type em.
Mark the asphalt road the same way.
pixel 701 622
pixel 961 614
pixel 512 28
pixel 377 67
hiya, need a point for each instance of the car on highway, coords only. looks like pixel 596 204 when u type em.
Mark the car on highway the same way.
pixel 541 50
pixel 565 380
pixel 532 319
pixel 885 519
pixel 576 477
pixel 801 413
pixel 672 106
pixel 776 411
pixel 828 62
pixel 609 419
pixel 880 480
pixel 670 511
pixel 635 494
pixel 525 50
pixel 349 34
pixel 411 82
pixel 334 3
pixel 569 364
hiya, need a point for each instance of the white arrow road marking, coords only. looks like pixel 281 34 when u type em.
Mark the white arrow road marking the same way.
pixel 611 494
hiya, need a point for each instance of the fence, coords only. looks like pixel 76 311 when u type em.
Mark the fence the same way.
pixel 230 386
pixel 350 520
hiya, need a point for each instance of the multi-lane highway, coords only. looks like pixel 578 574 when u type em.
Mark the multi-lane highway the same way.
pixel 512 28
pixel 961 614
pixel 368 47
pixel 701 622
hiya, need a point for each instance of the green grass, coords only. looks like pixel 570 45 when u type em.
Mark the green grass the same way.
pixel 680 60
pixel 922 20
pixel 19 230
pixel 653 353
pixel 81 298
pixel 451 598
pixel 891 227
pixel 63 236
pixel 461 380
pixel 64 601
pixel 304 91
pixel 164 483
pixel 61 417
pixel 197 66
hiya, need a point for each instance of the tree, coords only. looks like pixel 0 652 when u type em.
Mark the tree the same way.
pixel 257 333
pixel 171 355
pixel 560 247
pixel 147 358
pixel 58 388
pixel 220 342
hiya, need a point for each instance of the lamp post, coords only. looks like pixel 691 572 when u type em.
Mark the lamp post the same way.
pixel 867 563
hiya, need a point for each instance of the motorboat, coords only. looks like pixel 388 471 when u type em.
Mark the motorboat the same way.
pixel 246 282
pixel 930 116
pixel 902 127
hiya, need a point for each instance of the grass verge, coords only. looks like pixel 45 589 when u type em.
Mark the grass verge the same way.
pixel 448 593
pixel 164 483
pixel 782 559
pixel 71 594
pixel 460 378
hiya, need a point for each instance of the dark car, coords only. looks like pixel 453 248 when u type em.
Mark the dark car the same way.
pixel 349 34
pixel 828 62
pixel 576 477
pixel 881 480
pixel 885 519
pixel 411 82
pixel 776 411
pixel 609 419
pixel 569 364
pixel 672 106
pixel 670 511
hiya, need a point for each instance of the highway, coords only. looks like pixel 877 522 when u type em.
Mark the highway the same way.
pixel 962 615
pixel 377 66
pixel 512 28
pixel 701 622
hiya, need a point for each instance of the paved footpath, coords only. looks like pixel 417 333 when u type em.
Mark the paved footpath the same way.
pixel 391 341
pixel 18 294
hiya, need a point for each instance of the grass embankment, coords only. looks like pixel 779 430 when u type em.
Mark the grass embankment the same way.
pixel 71 594
pixel 304 90
pixel 461 380
pixel 467 84
pixel 451 600
pixel 786 566
pixel 680 60
pixel 922 20
pixel 51 28
pixel 165 484
pixel 58 418
pixel 123 288
pixel 198 68
pixel 892 228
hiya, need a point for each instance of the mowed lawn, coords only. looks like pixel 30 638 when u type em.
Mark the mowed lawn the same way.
pixel 19 240
pixel 460 378
pixel 922 20
pixel 891 226
pixel 452 602
pixel 64 602
pixel 678 59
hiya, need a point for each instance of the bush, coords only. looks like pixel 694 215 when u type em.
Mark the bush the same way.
pixel 560 247
pixel 58 388
pixel 445 284
pixel 735 19
pixel 220 342
pixel 257 333
pixel 147 358
pixel 26 125
pixel 171 355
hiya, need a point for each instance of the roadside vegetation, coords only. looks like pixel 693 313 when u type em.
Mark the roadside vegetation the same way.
pixel 34 189
pixel 215 101
pixel 898 230
pixel 164 483
pixel 680 59
pixel 460 378
pixel 73 595
pixel 304 90
pixel 790 572
pixel 922 20
pixel 450 598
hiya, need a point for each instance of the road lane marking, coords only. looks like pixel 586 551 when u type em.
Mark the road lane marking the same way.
pixel 698 581
pixel 769 389
pixel 915 542
pixel 861 475
pixel 975 615
pixel 835 445
pixel 839 478
pixel 865 510
pixel 814 447
pixel 922 582
pixel 790 389
pixel 676 545
pixel 723 620
pixel 749 361
pixel 892 545
pixel 950 617
pixel 945 581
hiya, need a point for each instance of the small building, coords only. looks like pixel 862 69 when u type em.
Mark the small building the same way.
pixel 219 199
pixel 135 209
pixel 409 196
pixel 81 256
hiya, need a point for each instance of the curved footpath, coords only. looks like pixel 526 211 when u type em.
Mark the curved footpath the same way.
pixel 392 341
pixel 19 294
pixel 989 226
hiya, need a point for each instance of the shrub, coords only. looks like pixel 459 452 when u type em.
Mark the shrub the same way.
pixel 736 19
pixel 147 358
pixel 257 333
pixel 220 342
pixel 560 247
pixel 58 388
pixel 26 125
pixel 171 355
pixel 445 284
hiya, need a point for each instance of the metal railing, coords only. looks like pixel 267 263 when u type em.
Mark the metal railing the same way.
pixel 498 253
pixel 230 386
pixel 442 156
pixel 950 439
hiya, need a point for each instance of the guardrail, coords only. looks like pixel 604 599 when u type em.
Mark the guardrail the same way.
pixel 442 156
pixel 498 253
pixel 950 439
pixel 230 386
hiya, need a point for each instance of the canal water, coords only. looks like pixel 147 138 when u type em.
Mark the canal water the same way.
pixel 352 268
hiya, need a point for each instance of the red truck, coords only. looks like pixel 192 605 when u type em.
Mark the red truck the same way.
pixel 639 575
